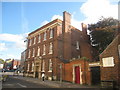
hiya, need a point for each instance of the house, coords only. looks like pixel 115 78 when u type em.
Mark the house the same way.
pixel 56 49
pixel 22 62
pixel 11 64
pixel 1 65
pixel 110 62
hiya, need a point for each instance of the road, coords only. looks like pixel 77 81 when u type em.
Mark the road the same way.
pixel 18 83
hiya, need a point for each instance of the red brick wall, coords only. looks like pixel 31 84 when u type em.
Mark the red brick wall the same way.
pixel 64 44
pixel 68 74
pixel 111 73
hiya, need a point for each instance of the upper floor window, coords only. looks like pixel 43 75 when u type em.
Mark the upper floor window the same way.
pixel 45 36
pixel 29 52
pixel 50 65
pixel 34 40
pixel 33 52
pixel 44 49
pixel 30 42
pixel 39 38
pixel 51 33
pixel 77 45
pixel 119 50
pixel 38 53
pixel 51 48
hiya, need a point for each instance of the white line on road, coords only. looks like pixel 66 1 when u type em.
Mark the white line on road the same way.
pixel 21 85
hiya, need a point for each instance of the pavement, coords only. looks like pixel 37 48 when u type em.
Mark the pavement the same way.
pixel 54 84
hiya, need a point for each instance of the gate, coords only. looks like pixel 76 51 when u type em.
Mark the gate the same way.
pixel 95 75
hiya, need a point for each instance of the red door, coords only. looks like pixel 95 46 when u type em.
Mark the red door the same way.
pixel 77 74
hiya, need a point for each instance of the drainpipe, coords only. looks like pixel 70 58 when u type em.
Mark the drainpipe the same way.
pixel 85 71
pixel 60 73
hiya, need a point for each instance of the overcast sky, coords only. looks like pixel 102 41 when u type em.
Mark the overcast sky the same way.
pixel 21 18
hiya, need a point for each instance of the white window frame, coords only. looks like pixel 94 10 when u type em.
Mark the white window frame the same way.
pixel 51 48
pixel 29 52
pixel 108 62
pixel 39 38
pixel 50 66
pixel 32 66
pixel 34 40
pixel 38 52
pixel 33 54
pixel 51 33
pixel 78 56
pixel 45 36
pixel 44 49
pixel 77 45
pixel 30 42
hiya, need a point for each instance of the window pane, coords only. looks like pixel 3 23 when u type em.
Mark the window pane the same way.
pixel 77 45
pixel 108 62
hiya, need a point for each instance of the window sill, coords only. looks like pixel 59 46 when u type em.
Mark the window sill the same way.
pixel 44 40
pixel 50 37
pixel 43 54
pixel 50 53
pixel 49 71
pixel 42 71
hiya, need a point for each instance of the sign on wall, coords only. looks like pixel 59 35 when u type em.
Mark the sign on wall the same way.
pixel 108 62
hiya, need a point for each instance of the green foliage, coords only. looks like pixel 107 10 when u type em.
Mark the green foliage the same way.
pixel 103 32
pixel 84 58
pixel 1 61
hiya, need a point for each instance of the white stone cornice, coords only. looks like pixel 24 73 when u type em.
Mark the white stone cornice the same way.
pixel 43 30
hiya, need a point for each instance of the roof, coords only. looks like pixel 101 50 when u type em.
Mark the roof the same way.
pixel 50 23
pixel 116 39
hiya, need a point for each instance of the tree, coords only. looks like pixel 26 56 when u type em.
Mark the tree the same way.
pixel 1 61
pixel 103 32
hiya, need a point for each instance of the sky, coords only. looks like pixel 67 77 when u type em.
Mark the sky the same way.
pixel 18 18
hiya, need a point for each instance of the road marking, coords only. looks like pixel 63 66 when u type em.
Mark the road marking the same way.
pixel 21 85
pixel 8 84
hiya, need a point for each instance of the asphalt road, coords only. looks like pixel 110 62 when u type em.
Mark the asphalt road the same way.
pixel 18 83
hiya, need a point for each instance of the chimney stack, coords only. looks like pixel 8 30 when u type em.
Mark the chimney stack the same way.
pixel 84 28
pixel 67 17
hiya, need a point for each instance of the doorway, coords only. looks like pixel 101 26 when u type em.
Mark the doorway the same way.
pixel 95 75
pixel 36 72
pixel 77 74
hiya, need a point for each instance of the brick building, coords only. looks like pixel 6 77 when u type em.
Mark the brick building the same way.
pixel 11 64
pixel 54 46
pixel 110 62
pixel 22 62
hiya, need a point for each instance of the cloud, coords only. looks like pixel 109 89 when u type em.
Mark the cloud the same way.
pixel 56 17
pixel 12 56
pixel 74 22
pixel 3 47
pixel 44 22
pixel 17 39
pixel 93 10
pixel 53 18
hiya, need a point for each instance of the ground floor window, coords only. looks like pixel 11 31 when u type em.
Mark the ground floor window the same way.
pixel 50 65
